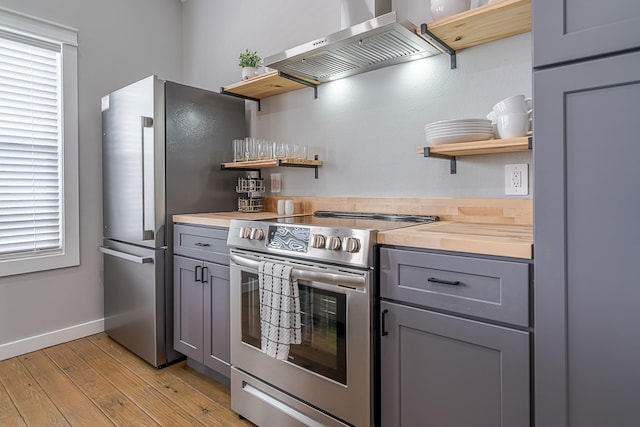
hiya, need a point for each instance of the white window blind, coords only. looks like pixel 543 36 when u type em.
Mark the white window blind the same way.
pixel 30 146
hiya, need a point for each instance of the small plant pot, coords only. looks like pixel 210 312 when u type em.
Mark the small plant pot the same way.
pixel 248 72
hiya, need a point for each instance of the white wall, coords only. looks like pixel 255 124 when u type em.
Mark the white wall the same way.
pixel 120 41
pixel 366 128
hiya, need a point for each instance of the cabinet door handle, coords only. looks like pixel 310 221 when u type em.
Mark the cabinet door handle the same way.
pixel 383 323
pixel 444 282
pixel 198 276
pixel 203 244
pixel 205 275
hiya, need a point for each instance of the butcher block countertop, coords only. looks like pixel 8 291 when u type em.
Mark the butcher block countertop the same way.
pixel 487 239
pixel 222 219
pixel 508 240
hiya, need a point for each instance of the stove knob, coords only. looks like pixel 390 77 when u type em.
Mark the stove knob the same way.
pixel 256 234
pixel 245 232
pixel 351 244
pixel 334 243
pixel 318 241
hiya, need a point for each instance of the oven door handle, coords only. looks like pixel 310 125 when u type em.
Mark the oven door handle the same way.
pixel 310 275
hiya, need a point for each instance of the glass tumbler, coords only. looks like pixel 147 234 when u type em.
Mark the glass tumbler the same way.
pixel 251 148
pixel 238 150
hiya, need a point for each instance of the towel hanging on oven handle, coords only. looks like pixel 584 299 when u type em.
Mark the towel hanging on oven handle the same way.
pixel 355 281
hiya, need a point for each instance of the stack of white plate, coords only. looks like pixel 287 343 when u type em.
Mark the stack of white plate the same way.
pixel 460 130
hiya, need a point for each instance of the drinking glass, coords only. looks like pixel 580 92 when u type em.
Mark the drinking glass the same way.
pixel 265 149
pixel 300 152
pixel 238 150
pixel 251 149
pixel 281 150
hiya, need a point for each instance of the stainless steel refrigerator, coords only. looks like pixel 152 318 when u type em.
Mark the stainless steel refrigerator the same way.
pixel 162 146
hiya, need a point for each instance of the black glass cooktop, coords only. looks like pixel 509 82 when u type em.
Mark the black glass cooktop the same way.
pixel 357 220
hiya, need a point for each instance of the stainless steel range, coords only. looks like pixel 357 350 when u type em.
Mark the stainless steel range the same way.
pixel 325 379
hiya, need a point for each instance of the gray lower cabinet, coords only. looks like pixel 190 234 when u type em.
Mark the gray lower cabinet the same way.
pixel 587 243
pixel 201 296
pixel 440 365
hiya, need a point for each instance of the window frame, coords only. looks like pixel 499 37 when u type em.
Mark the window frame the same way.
pixel 69 254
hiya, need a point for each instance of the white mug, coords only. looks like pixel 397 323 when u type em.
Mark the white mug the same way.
pixel 513 125
pixel 288 207
pixel 281 207
pixel 513 104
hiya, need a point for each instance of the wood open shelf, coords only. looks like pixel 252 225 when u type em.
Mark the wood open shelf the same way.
pixel 273 163
pixel 268 84
pixel 500 19
pixel 489 146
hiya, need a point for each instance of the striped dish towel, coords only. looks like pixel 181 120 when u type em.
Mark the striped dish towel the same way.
pixel 279 309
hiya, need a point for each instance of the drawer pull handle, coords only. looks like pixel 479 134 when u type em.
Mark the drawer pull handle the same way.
pixel 383 326
pixel 202 244
pixel 444 282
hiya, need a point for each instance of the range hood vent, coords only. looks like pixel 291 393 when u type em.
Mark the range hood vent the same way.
pixel 376 43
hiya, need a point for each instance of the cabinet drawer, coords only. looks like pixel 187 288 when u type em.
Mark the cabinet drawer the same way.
pixel 491 289
pixel 206 243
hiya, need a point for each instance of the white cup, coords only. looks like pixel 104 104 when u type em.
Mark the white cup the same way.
pixel 513 125
pixel 281 207
pixel 513 104
pixel 288 207
pixel 443 8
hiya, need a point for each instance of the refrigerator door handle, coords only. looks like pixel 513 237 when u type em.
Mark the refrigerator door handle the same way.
pixel 148 214
pixel 129 257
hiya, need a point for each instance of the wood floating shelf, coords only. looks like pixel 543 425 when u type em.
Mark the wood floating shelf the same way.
pixel 483 24
pixel 273 163
pixel 268 84
pixel 473 148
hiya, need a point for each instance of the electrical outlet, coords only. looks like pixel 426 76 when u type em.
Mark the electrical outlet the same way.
pixel 276 183
pixel 516 179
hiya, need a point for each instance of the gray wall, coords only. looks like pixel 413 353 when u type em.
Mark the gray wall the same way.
pixel 120 41
pixel 366 128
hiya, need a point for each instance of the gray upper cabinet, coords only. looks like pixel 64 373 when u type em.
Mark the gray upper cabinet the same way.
pixel 567 30
pixel 587 242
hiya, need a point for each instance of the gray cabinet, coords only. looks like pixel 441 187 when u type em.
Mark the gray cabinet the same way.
pixel 188 312
pixel 201 296
pixel 440 363
pixel 567 30
pixel 587 243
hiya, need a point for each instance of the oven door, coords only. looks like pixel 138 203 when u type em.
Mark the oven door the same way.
pixel 330 369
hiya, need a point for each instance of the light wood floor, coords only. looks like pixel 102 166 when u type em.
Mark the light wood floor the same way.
pixel 94 381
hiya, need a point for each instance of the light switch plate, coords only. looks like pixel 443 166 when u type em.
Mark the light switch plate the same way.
pixel 516 179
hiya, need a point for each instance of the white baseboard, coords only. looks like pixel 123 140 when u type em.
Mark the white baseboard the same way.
pixel 38 342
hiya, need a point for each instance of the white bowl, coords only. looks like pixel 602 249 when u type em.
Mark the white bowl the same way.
pixel 443 8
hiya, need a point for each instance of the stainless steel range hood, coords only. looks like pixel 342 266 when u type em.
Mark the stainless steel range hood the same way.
pixel 375 43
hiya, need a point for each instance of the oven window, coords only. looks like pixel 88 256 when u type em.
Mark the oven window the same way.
pixel 323 321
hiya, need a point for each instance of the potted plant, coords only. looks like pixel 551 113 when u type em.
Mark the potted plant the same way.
pixel 249 61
